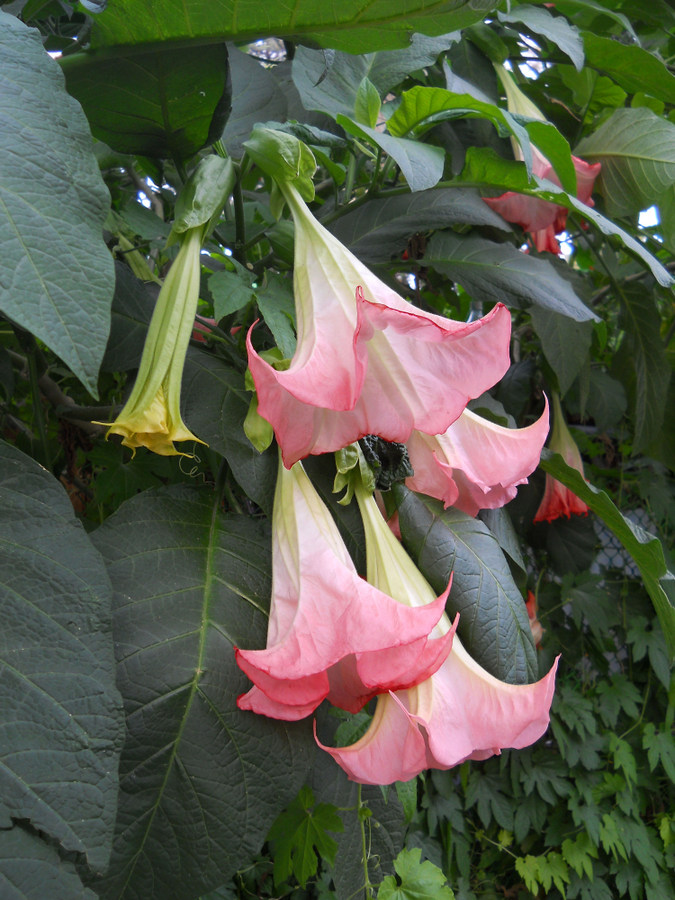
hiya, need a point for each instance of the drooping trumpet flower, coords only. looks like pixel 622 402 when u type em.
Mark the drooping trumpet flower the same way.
pixel 366 361
pixel 476 464
pixel 151 417
pixel 331 633
pixel 542 219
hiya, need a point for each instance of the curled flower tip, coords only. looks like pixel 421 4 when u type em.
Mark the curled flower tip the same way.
pixel 476 464
pixel 332 634
pixel 558 500
pixel 461 712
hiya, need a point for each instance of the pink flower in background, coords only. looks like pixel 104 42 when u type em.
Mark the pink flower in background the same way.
pixel 542 219
pixel 536 627
pixel 461 712
pixel 475 464
pixel 331 633
pixel 368 362
pixel 201 329
pixel 559 500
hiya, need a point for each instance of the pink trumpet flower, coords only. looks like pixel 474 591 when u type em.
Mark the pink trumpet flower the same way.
pixel 475 464
pixel 331 633
pixel 558 500
pixel 461 712
pixel 368 362
pixel 542 219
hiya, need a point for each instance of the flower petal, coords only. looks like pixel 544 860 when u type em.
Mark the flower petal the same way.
pixel 475 464
pixel 393 748
pixel 372 365
pixel 357 679
pixel 461 712
pixel 323 611
pixel 258 702
pixel 558 500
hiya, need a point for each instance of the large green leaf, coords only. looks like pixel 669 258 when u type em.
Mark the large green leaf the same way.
pixel 421 164
pixel 331 84
pixel 565 343
pixel 495 272
pixel 170 102
pixel 637 152
pixel 357 26
pixel 56 275
pixel 379 229
pixel 200 781
pixel 422 107
pixel 645 549
pixel 220 423
pixel 259 94
pixel 555 28
pixel 493 622
pixel 630 66
pixel 61 724
pixel 30 869
pixel 648 374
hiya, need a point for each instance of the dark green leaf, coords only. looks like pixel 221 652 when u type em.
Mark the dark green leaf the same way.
pixel 231 291
pixel 565 344
pixel 379 229
pixel 132 307
pixel 645 549
pixel 486 792
pixel 61 722
pixel 200 781
pixel 276 303
pixel 258 95
pixel 336 91
pixel 649 363
pixel 637 152
pixel 493 622
pixel 30 869
pixel 501 527
pixel 220 423
pixel 355 26
pixel 606 401
pixel 630 66
pixel 168 102
pixel 571 543
pixel 56 275
pixel 500 272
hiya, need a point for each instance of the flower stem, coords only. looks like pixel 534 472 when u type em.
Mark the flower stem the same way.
pixel 367 886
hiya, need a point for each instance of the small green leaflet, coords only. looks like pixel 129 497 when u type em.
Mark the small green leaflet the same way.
pixel 419 880
pixel 299 833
